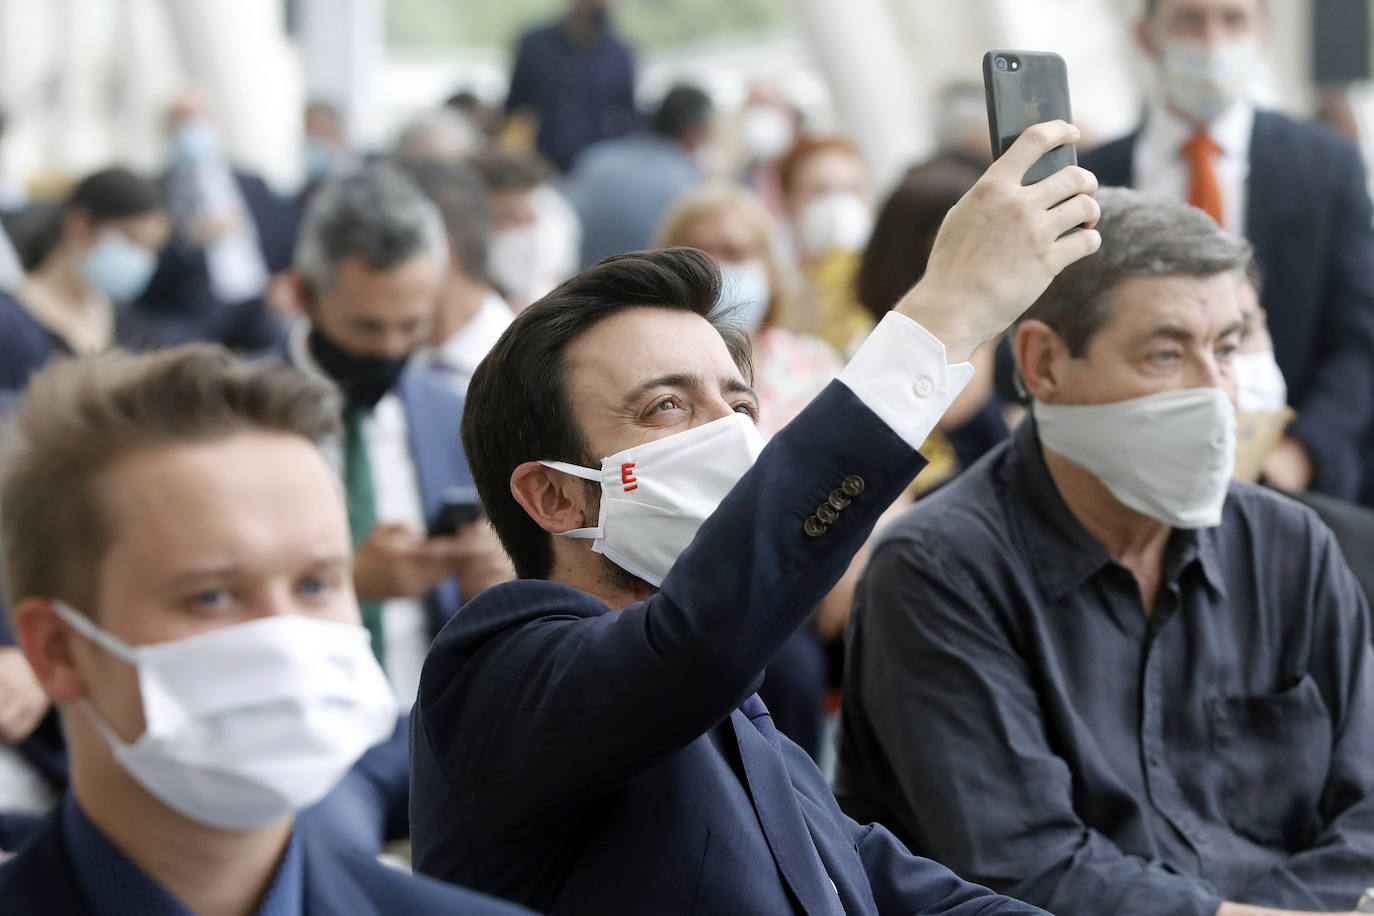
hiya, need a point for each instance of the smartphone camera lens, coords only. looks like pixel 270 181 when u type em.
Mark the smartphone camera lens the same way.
pixel 1001 63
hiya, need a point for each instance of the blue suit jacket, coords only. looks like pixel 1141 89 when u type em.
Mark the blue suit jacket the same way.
pixel 1309 218
pixel 580 760
pixel 40 881
pixel 434 415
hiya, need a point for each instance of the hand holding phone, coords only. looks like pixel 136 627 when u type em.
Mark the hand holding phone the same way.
pixel 1025 88
pixel 460 508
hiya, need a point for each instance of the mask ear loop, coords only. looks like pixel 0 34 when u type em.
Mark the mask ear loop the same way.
pixel 110 643
pixel 586 474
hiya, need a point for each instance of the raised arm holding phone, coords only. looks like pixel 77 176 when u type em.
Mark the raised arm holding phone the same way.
pixel 587 738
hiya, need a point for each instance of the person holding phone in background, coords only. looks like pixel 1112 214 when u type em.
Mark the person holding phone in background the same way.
pixel 370 268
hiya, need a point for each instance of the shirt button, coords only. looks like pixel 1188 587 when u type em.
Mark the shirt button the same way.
pixel 852 485
pixel 924 387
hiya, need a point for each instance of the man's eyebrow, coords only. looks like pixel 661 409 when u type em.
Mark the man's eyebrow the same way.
pixel 683 380
pixel 737 386
pixel 1236 327
pixel 1172 332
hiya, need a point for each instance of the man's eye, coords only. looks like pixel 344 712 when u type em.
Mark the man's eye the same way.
pixel 1163 357
pixel 749 409
pixel 314 586
pixel 212 599
pixel 667 404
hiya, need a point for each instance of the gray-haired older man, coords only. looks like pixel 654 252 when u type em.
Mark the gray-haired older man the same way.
pixel 1095 674
pixel 370 265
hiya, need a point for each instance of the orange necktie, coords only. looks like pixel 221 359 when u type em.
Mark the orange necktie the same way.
pixel 1205 194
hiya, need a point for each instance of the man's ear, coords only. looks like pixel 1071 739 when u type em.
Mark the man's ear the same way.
pixel 554 499
pixel 1038 349
pixel 300 291
pixel 49 646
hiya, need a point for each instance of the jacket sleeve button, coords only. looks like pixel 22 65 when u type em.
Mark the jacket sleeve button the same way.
pixel 814 527
pixel 827 513
pixel 852 485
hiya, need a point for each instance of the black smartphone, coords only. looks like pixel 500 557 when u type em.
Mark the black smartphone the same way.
pixel 460 508
pixel 1025 88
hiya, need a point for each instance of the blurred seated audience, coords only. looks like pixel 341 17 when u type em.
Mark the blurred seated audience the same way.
pixel 439 134
pixel 478 113
pixel 894 260
pixel 89 259
pixel 1298 192
pixel 470 315
pixel 825 191
pixel 231 234
pixel 535 233
pixel 575 80
pixel 961 124
pixel 1131 682
pixel 790 369
pixel 370 268
pixel 326 151
pixel 203 646
pixel 622 187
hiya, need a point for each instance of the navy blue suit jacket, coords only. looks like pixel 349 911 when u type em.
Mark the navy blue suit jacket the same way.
pixel 434 415
pixel 1309 218
pixel 580 760
pixel 40 881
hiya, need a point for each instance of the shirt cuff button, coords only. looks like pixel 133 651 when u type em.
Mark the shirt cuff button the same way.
pixel 924 387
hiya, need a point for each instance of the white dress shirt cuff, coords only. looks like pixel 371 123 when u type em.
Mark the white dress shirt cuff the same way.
pixel 901 373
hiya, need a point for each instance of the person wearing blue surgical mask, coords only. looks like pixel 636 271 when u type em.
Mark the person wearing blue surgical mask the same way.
pixel 730 224
pixel 94 256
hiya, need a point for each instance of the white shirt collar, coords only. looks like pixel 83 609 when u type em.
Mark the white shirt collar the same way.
pixel 467 346
pixel 1165 132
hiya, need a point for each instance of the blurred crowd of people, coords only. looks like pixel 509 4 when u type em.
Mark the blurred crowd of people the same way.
pixel 391 275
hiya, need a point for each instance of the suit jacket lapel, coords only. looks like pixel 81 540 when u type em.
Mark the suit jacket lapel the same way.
pixel 775 801
pixel 330 886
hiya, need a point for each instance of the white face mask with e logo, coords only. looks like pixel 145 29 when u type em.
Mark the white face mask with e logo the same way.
pixel 1167 455
pixel 655 496
pixel 246 724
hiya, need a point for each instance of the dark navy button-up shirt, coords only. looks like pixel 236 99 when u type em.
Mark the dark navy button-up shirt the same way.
pixel 116 887
pixel 1013 711
pixel 581 94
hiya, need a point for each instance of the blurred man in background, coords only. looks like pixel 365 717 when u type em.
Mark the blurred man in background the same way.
pixel 1297 192
pixel 576 80
pixel 230 235
pixel 371 266
pixel 177 558
pixel 326 151
pixel 470 315
pixel 535 233
pixel 621 188
pixel 1133 684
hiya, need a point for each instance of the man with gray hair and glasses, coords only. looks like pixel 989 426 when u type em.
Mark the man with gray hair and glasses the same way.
pixel 1096 674
pixel 370 266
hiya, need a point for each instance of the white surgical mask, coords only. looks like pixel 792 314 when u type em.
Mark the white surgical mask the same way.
pixel 196 141
pixel 745 292
pixel 1167 455
pixel 767 132
pixel 118 267
pixel 1203 80
pixel 515 263
pixel 248 723
pixel 1259 381
pixel 655 496
pixel 838 221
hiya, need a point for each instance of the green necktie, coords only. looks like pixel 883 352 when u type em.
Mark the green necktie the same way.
pixel 362 508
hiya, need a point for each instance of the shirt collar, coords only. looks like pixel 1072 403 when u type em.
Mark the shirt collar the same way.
pixel 113 885
pixel 1165 132
pixel 467 346
pixel 1063 554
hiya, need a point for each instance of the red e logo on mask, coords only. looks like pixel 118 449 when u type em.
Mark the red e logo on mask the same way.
pixel 627 476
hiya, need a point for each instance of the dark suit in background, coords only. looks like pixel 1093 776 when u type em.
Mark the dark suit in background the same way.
pixel 179 304
pixel 1309 218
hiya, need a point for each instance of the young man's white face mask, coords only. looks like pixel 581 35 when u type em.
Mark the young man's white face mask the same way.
pixel 248 723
